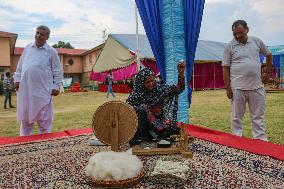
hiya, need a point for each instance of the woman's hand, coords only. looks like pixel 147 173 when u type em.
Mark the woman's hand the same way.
pixel 181 67
pixel 151 117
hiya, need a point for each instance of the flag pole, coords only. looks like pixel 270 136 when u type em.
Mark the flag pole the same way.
pixel 137 40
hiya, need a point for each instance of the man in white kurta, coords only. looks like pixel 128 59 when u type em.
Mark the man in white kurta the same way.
pixel 37 78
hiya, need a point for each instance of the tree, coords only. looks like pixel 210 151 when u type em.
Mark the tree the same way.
pixel 62 44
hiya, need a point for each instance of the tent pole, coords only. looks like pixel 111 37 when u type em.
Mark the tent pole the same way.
pixel 137 40
pixel 214 76
pixel 193 77
pixel 281 75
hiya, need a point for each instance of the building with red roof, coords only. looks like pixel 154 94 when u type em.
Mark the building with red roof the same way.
pixel 77 63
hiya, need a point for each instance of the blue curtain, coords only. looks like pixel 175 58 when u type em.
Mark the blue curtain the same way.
pixel 276 64
pixel 151 15
pixel 193 11
pixel 282 68
pixel 149 11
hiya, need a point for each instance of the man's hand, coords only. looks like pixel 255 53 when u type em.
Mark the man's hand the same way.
pixel 265 78
pixel 226 79
pixel 266 75
pixel 17 84
pixel 229 92
pixel 181 67
pixel 55 92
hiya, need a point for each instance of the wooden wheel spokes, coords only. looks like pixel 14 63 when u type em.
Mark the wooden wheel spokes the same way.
pixel 115 123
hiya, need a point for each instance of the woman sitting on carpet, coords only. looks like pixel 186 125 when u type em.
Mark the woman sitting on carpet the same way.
pixel 152 101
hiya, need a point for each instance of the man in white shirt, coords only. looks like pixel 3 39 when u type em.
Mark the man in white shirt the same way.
pixel 37 78
pixel 242 78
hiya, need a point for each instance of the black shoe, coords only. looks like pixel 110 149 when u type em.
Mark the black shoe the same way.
pixel 5 107
pixel 12 106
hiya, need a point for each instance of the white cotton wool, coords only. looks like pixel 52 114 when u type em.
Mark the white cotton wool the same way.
pixel 178 169
pixel 114 165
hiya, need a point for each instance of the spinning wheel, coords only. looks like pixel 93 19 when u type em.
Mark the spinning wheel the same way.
pixel 115 123
pixel 182 148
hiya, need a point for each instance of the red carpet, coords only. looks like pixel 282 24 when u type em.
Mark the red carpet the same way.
pixel 250 145
pixel 38 137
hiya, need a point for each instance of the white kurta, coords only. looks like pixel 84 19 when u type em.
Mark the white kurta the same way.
pixel 38 71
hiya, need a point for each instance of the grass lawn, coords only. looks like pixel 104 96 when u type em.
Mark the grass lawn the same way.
pixel 208 108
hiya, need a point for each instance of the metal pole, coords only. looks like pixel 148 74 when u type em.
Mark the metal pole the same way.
pixel 281 75
pixel 137 40
pixel 193 76
pixel 214 76
pixel 104 35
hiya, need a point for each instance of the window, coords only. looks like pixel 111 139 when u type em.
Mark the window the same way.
pixel 90 58
pixel 70 62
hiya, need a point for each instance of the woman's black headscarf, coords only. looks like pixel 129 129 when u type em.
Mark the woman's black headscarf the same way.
pixel 141 98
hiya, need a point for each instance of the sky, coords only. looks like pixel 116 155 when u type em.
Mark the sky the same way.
pixel 81 22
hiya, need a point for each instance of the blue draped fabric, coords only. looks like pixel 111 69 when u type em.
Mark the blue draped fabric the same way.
pixel 188 27
pixel 193 11
pixel 149 11
pixel 172 15
pixel 282 68
pixel 276 64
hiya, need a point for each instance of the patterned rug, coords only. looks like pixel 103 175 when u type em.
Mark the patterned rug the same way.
pixel 61 163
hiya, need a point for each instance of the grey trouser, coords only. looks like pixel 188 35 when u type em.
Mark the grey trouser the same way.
pixel 8 97
pixel 256 103
pixel 110 90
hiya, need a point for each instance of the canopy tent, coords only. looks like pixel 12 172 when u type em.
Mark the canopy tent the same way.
pixel 113 57
pixel 119 59
pixel 118 55
pixel 208 75
pixel 207 70
pixel 209 51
